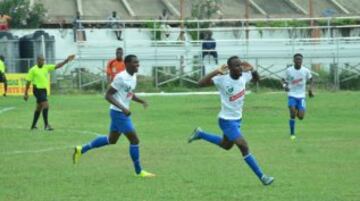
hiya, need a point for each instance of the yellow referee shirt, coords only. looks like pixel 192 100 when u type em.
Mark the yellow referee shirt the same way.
pixel 2 67
pixel 39 76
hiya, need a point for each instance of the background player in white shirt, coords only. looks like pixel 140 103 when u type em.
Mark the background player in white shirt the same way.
pixel 232 93
pixel 294 83
pixel 120 94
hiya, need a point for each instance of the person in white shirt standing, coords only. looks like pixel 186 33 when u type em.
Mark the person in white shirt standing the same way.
pixel 294 83
pixel 119 95
pixel 232 93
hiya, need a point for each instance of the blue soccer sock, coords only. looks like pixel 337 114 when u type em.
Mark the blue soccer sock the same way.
pixel 210 137
pixel 96 143
pixel 251 161
pixel 135 156
pixel 292 126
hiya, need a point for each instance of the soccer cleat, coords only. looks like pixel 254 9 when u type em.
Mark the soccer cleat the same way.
pixel 49 128
pixel 293 137
pixel 77 154
pixel 266 180
pixel 145 174
pixel 33 128
pixel 195 135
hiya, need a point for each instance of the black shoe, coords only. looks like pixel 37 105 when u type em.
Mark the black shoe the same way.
pixel 4 95
pixel 48 128
pixel 33 128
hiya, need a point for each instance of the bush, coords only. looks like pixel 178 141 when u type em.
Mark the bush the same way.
pixel 155 35
pixel 351 84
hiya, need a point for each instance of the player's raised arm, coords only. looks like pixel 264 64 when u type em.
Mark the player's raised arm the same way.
pixel 109 96
pixel 139 100
pixel 206 81
pixel 246 67
pixel 67 60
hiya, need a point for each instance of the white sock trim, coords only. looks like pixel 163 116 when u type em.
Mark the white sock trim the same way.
pixel 245 157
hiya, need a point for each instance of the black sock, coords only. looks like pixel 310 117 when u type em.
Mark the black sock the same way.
pixel 35 119
pixel 45 116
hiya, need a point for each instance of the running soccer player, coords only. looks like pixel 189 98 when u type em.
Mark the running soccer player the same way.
pixel 115 66
pixel 119 95
pixel 2 74
pixel 232 93
pixel 38 76
pixel 294 83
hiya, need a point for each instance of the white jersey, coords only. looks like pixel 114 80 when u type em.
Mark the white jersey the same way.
pixel 125 84
pixel 296 79
pixel 232 94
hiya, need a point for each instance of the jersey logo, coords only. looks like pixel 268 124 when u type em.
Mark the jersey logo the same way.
pixel 229 90
pixel 237 96
pixel 297 81
pixel 127 89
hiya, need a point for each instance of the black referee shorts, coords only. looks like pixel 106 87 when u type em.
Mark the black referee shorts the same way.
pixel 40 95
pixel 2 77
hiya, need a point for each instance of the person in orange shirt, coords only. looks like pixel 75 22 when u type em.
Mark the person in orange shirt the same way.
pixel 115 66
pixel 4 26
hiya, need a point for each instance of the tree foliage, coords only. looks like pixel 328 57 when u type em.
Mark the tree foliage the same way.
pixel 23 15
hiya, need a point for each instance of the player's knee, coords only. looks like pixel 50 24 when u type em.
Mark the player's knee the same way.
pixel 300 116
pixel 112 140
pixel 227 146
pixel 134 141
pixel 244 149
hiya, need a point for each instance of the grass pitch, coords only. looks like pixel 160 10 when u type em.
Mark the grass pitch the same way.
pixel 322 165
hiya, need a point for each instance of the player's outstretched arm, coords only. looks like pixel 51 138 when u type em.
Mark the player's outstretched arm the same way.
pixel 207 81
pixel 26 94
pixel 109 96
pixel 255 76
pixel 139 100
pixel 67 60
pixel 311 85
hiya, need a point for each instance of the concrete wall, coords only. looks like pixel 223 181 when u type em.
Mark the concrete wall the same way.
pixel 268 46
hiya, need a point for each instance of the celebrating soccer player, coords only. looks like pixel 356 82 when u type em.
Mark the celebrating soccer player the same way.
pixel 119 95
pixel 232 93
pixel 295 84
pixel 38 76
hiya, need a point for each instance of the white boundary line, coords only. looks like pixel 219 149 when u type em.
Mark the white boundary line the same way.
pixel 182 93
pixel 6 109
pixel 35 151
pixel 16 152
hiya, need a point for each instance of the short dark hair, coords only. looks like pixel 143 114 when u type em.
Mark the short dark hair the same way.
pixel 298 54
pixel 119 48
pixel 231 58
pixel 2 57
pixel 129 58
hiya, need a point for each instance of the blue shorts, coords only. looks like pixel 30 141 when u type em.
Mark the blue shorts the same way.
pixel 298 103
pixel 230 128
pixel 120 122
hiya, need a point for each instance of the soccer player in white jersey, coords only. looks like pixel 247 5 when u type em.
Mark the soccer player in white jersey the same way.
pixel 294 83
pixel 232 93
pixel 119 95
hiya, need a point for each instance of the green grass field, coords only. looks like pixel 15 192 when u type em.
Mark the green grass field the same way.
pixel 322 165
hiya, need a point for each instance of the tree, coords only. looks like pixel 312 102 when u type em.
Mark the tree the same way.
pixel 205 9
pixel 23 15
